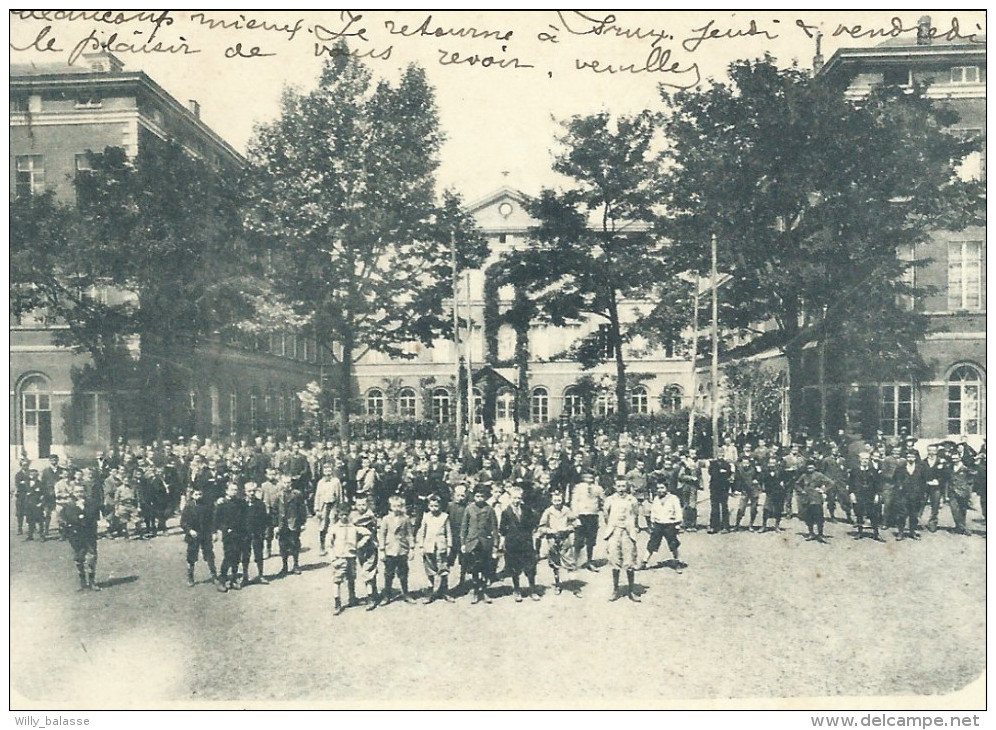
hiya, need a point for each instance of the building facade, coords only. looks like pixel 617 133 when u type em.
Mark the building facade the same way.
pixel 425 387
pixel 57 115
pixel 951 401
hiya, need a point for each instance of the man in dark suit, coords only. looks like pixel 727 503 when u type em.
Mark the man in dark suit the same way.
pixel 78 518
pixel 478 540
pixel 196 521
pixel 935 468
pixel 292 515
pixel 911 486
pixel 866 494
pixel 721 476
pixel 518 521
pixel 230 522
pixel 21 480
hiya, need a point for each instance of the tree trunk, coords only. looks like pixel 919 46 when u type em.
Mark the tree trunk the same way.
pixel 794 359
pixel 615 337
pixel 521 324
pixel 491 327
pixel 345 385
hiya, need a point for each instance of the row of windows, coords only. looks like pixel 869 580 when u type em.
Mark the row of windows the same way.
pixel 441 403
pixel 903 75
pixel 966 405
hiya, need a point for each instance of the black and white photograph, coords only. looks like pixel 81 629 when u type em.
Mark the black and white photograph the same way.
pixel 440 359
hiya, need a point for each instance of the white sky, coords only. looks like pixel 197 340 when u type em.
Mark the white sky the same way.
pixel 495 119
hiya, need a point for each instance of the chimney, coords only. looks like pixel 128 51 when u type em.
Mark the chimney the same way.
pixel 195 107
pixel 924 37
pixel 103 62
pixel 818 58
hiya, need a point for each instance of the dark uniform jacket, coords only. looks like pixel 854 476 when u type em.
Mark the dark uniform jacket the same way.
pixel 230 517
pixel 292 512
pixel 518 529
pixel 197 517
pixel 480 527
pixel 79 519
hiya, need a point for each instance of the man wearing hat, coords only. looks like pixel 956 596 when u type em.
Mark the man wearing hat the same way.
pixel 478 541
pixel 813 486
pixel 20 490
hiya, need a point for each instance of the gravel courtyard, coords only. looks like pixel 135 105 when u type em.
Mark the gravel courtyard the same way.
pixel 753 616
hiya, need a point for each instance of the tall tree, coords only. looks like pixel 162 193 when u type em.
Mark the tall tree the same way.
pixel 596 242
pixel 811 194
pixel 159 233
pixel 342 191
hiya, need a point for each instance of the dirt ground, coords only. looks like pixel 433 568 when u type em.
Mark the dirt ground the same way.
pixel 753 616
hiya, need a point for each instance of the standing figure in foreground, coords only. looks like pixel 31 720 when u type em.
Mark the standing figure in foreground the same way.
pixel 196 521
pixel 292 514
pixel 516 528
pixel 435 539
pixel 865 495
pixel 665 517
pixel 395 537
pixel 621 528
pixel 556 526
pixel 79 518
pixel 478 536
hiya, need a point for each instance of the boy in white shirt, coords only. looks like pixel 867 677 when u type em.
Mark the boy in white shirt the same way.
pixel 665 516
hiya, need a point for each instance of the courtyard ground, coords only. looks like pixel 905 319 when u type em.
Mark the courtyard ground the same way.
pixel 754 616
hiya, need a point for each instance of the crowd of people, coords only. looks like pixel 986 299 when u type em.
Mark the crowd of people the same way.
pixel 514 502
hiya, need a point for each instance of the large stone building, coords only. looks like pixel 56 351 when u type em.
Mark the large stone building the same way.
pixel 57 115
pixel 425 386
pixel 951 401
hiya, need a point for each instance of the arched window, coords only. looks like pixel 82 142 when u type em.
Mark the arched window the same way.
pixel 375 402
pixel 539 405
pixel 966 401
pixel 36 416
pixel 441 406
pixel 671 398
pixel 573 402
pixel 505 405
pixel 406 403
pixel 638 400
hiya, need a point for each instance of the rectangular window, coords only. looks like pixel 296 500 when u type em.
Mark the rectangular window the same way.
pixel 965 276
pixel 89 101
pixel 18 104
pixel 964 74
pixel 896 409
pixel 896 76
pixel 30 175
pixel 233 411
